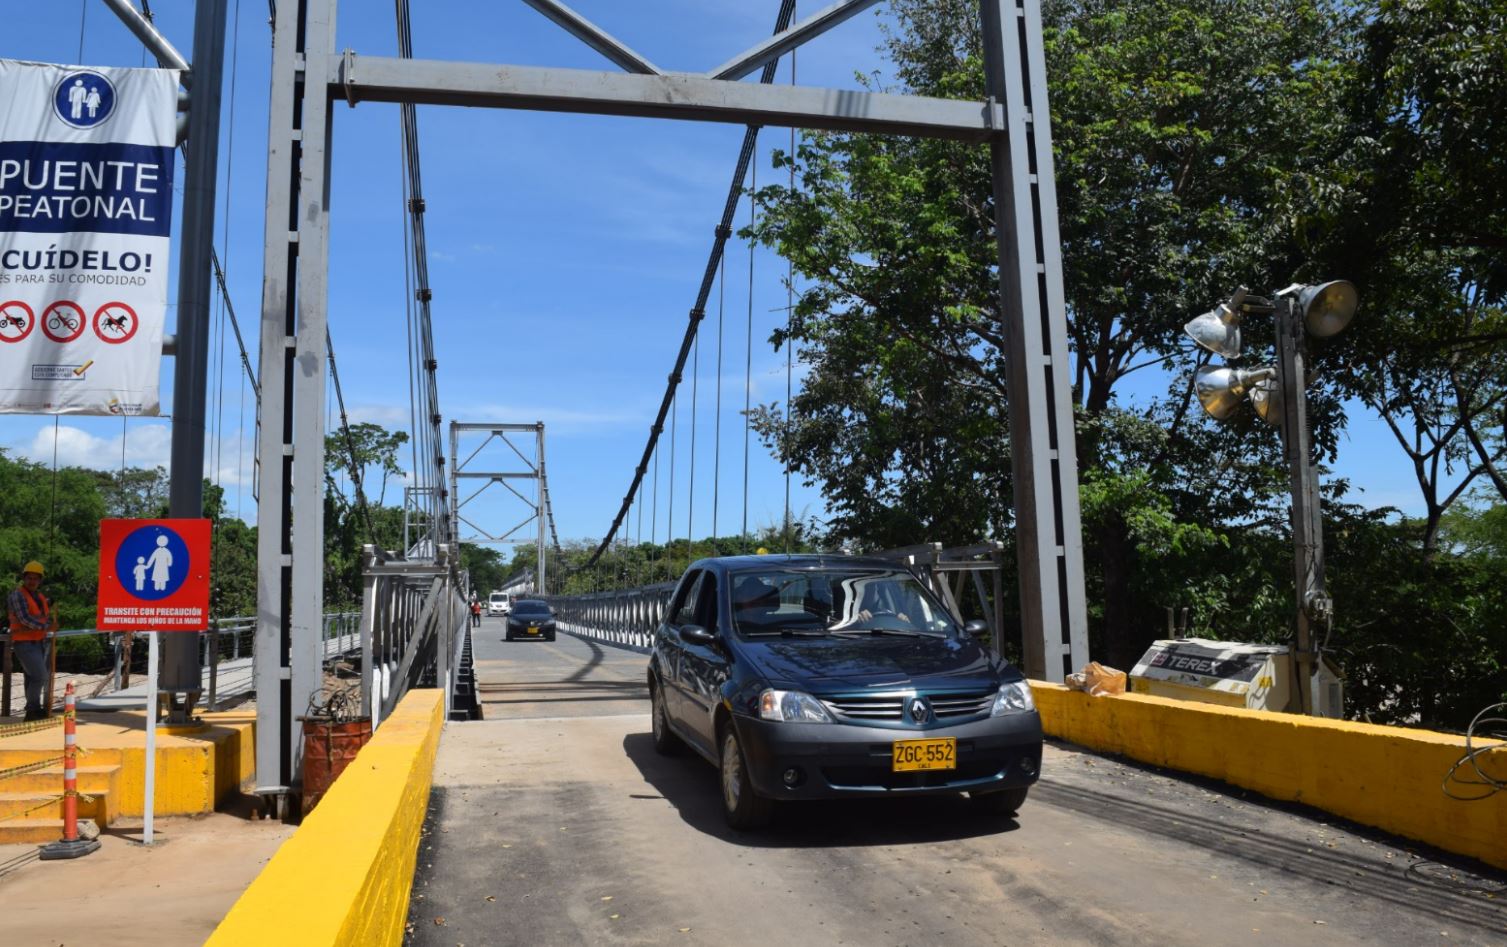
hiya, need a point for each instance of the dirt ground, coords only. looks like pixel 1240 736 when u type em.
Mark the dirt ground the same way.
pixel 172 893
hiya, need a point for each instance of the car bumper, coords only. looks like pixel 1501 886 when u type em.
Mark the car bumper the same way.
pixel 844 760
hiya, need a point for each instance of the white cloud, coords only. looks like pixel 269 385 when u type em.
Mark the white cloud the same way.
pixel 147 445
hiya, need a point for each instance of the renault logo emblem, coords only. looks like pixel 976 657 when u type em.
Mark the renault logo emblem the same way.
pixel 917 710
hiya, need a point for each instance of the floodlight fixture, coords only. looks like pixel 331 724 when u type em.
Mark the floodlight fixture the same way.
pixel 1327 308
pixel 1266 398
pixel 1220 389
pixel 1218 330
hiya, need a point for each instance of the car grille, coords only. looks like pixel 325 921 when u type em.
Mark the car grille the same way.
pixel 891 706
pixel 875 707
pixel 948 706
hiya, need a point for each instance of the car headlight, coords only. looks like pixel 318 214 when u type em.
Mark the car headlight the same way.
pixel 1013 699
pixel 792 707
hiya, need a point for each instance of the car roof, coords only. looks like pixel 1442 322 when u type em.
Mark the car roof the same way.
pixel 813 562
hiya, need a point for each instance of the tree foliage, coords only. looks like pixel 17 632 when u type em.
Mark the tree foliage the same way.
pixel 1199 145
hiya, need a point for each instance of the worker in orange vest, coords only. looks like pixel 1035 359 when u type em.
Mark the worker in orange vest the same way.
pixel 31 618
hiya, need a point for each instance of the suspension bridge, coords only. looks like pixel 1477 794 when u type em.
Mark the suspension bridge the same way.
pixel 513 793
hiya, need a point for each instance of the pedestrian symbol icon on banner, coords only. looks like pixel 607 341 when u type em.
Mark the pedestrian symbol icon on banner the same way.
pixel 152 562
pixel 84 99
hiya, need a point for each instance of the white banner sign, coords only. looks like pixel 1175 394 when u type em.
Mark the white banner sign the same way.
pixel 86 200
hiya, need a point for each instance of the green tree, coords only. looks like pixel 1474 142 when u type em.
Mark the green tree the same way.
pixel 1185 136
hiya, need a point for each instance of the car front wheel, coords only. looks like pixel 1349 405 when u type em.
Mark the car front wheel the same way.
pixel 741 806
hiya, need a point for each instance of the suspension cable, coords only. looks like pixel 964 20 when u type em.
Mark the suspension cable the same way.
pixel 789 325
pixel 352 462
pixel 753 220
pixel 717 424
pixel 670 491
pixel 431 470
pixel 698 312
pixel 690 517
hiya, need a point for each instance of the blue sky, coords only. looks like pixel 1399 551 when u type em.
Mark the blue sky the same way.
pixel 564 254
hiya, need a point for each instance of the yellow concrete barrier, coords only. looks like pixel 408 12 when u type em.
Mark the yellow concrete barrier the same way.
pixel 1387 777
pixel 345 876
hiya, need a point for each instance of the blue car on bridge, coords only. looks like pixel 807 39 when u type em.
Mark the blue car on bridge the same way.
pixel 809 677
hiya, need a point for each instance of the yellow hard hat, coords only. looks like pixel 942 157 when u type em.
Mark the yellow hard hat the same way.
pixel 34 566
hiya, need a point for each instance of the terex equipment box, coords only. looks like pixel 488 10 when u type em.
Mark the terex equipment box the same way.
pixel 1256 676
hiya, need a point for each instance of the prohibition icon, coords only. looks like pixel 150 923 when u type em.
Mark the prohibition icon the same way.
pixel 16 320
pixel 63 321
pixel 115 322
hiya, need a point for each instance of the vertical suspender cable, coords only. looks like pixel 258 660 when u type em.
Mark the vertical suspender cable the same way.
pixel 219 426
pixel 753 220
pixel 654 513
pixel 52 518
pixel 789 324
pixel 717 426
pixel 670 494
pixel 690 516
pixel 83 15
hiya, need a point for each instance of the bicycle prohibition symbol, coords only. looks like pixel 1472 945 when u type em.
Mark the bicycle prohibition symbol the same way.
pixel 63 321
pixel 115 322
pixel 16 320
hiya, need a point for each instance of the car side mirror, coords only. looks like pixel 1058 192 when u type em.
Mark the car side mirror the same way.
pixel 976 628
pixel 696 634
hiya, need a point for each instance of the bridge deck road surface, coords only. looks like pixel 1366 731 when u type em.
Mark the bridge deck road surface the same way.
pixel 553 821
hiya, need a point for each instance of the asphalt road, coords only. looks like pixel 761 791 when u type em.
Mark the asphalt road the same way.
pixel 552 821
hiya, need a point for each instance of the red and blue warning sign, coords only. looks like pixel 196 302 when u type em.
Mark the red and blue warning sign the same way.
pixel 153 575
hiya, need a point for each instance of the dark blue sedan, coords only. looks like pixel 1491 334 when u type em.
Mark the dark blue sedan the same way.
pixel 812 677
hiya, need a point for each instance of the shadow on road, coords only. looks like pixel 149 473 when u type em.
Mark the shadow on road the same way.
pixel 689 784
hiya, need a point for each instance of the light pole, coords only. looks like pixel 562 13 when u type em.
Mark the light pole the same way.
pixel 1277 392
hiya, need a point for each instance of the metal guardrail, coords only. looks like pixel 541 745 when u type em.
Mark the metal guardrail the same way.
pixel 412 613
pixel 625 618
pixel 628 618
pixel 227 640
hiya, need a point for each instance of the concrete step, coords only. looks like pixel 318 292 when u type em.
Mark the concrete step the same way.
pixel 30 831
pixel 91 779
pixel 14 804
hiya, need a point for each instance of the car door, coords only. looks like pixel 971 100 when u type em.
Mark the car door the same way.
pixel 670 647
pixel 704 665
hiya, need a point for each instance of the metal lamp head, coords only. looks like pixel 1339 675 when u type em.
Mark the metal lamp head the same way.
pixel 1218 330
pixel 1266 398
pixel 1219 390
pixel 1328 307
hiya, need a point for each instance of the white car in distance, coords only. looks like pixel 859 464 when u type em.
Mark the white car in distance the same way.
pixel 499 603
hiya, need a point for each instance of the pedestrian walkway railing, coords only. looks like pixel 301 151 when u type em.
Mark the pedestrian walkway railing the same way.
pixel 624 618
pixel 968 579
pixel 99 663
pixel 413 623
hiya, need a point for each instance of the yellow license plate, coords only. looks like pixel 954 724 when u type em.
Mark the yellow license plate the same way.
pixel 533 630
pixel 912 755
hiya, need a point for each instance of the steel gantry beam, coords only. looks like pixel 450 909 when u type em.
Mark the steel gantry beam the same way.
pixel 1013 121
pixel 676 95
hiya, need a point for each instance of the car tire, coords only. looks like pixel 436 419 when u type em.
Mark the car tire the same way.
pixel 551 637
pixel 666 743
pixel 1001 802
pixel 743 808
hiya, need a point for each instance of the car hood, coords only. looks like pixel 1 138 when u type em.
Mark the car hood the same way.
pixel 830 665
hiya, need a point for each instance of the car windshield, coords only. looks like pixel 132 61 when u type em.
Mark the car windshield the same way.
pixel 836 601
pixel 523 609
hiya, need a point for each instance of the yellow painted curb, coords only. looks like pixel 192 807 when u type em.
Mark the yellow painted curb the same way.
pixel 345 876
pixel 1387 777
